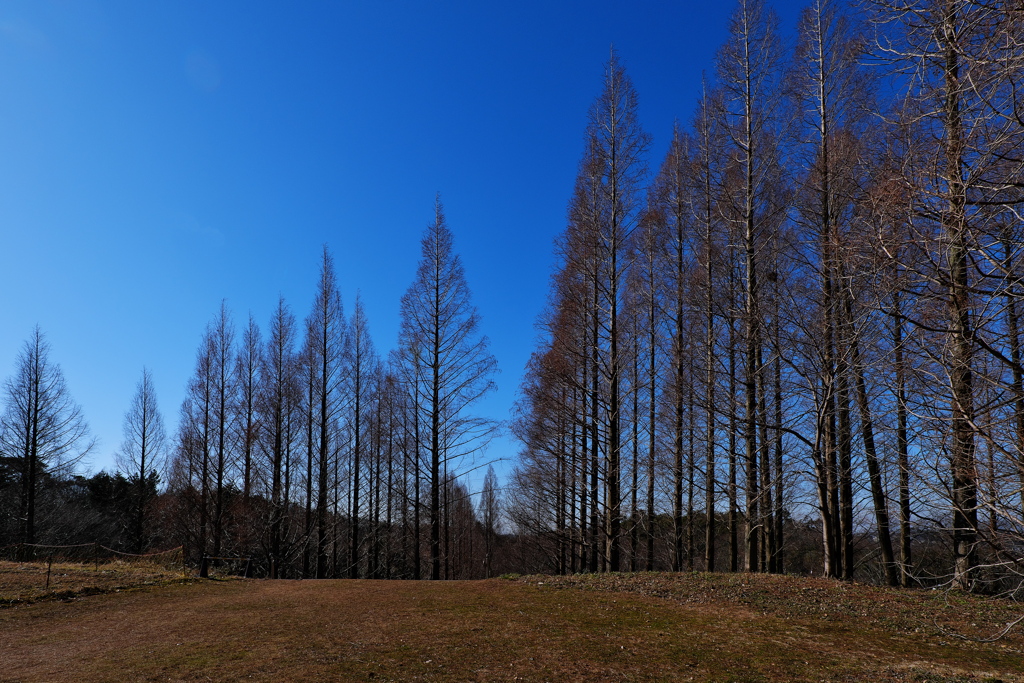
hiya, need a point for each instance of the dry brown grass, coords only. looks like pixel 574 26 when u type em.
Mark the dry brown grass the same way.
pixel 657 627
pixel 22 582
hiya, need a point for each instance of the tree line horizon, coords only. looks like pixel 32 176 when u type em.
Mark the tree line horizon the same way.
pixel 809 307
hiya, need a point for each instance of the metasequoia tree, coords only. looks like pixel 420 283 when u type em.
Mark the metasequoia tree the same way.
pixel 574 325
pixel 646 286
pixel 246 381
pixel 203 462
pixel 748 73
pixel 451 366
pixel 278 401
pixel 41 429
pixel 325 346
pixel 490 509
pixel 221 339
pixel 405 362
pixel 190 470
pixel 960 136
pixel 573 422
pixel 671 209
pixel 618 147
pixel 831 89
pixel 142 455
pixel 704 183
pixel 363 364
pixel 685 198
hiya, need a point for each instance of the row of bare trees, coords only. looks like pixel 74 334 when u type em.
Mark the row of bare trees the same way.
pixel 806 318
pixel 301 448
pixel 810 309
pixel 313 451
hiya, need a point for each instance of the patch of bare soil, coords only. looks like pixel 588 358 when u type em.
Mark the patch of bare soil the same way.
pixel 651 628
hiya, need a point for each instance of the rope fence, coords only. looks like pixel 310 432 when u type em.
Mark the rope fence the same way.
pixel 242 565
pixel 88 553
pixel 31 570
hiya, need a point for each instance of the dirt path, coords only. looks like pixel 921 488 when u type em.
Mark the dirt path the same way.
pixel 455 631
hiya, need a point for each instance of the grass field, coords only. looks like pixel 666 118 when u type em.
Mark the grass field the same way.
pixel 640 627
pixel 26 582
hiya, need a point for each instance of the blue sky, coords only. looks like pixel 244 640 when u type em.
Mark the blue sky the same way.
pixel 158 157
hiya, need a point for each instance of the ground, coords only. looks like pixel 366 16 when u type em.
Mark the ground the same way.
pixel 635 627
pixel 27 582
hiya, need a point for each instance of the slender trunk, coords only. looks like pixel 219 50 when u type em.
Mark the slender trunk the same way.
pixel 276 508
pixel 709 412
pixel 965 496
pixel 677 494
pixel 560 489
pixel 310 447
pixel 572 484
pixel 902 445
pixel 881 507
pixel 691 467
pixel 828 441
pixel 417 573
pixel 765 521
pixel 595 512
pixel 652 421
pixel 324 455
pixel 614 502
pixel 633 509
pixel 1017 377
pixel 734 545
pixel 353 570
pixel 779 547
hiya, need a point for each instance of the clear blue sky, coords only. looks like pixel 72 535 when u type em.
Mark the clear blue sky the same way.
pixel 158 157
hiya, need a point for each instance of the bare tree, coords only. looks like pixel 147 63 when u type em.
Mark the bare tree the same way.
pixel 325 346
pixel 490 508
pixel 246 381
pixel 749 67
pixel 671 206
pixel 221 336
pixel 279 398
pixel 960 173
pixel 142 455
pixel 834 95
pixel 41 428
pixel 619 147
pixel 362 363
pixel 452 366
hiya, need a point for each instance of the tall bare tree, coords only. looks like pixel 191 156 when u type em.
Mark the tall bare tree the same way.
pixel 221 341
pixel 749 70
pixel 490 509
pixel 279 397
pixel 246 383
pixel 41 428
pixel 618 147
pixel 833 92
pixel 325 344
pixel 958 173
pixel 142 455
pixel 452 365
pixel 362 365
